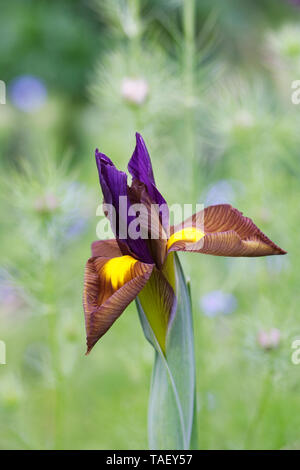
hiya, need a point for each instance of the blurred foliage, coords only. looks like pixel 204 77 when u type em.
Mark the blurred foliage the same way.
pixel 210 90
pixel 55 40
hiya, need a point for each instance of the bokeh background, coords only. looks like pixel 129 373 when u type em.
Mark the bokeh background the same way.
pixel 208 84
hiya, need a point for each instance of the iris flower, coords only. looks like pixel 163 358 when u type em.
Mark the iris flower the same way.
pixel 123 268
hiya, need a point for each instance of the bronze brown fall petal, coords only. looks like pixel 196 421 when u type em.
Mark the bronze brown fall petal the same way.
pixel 110 284
pixel 226 233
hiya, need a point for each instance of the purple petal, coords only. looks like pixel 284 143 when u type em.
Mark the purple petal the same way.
pixel 140 168
pixel 139 165
pixel 114 185
pixel 113 182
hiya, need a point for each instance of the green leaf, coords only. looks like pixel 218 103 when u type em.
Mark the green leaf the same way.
pixel 172 406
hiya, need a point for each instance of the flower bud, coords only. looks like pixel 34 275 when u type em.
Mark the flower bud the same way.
pixel 134 90
pixel 269 339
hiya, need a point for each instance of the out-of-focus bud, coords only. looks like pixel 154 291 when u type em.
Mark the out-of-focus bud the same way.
pixel 47 203
pixel 244 118
pixel 269 339
pixel 134 90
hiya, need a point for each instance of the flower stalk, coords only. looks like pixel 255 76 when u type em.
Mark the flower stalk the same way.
pixel 172 422
pixel 189 53
pixel 261 406
pixel 49 298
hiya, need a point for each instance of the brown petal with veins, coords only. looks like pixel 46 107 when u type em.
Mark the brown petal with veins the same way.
pixel 227 233
pixel 110 248
pixel 106 248
pixel 103 301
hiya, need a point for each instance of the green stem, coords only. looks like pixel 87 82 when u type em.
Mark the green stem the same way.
pixel 261 407
pixel 50 296
pixel 189 86
pixel 172 407
pixel 134 47
pixel 174 389
pixel 189 41
pixel 134 53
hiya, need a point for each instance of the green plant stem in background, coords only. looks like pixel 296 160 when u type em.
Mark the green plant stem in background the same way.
pixel 52 316
pixel 135 35
pixel 134 57
pixel 261 407
pixel 189 50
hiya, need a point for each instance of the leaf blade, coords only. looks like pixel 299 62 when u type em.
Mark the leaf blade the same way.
pixel 172 410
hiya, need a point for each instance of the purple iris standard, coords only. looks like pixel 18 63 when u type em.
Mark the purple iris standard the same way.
pixel 28 93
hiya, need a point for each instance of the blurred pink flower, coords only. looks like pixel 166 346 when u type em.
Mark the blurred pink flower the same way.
pixel 134 90
pixel 46 203
pixel 269 339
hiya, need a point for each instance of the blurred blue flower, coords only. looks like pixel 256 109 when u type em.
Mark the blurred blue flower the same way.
pixel 276 265
pixel 77 228
pixel 28 93
pixel 217 302
pixel 221 192
pixel 11 297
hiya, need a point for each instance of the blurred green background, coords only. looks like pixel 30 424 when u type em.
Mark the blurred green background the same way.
pixel 208 84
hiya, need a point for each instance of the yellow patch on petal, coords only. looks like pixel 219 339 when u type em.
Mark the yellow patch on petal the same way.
pixel 189 234
pixel 117 270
